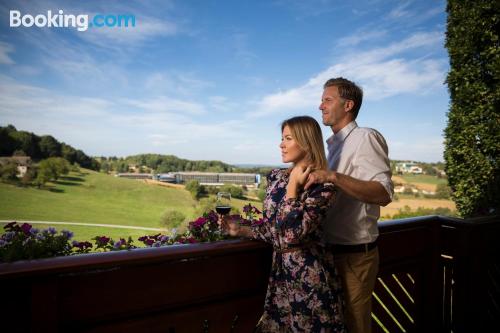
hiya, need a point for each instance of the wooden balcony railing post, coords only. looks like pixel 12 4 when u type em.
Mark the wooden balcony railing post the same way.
pixel 476 272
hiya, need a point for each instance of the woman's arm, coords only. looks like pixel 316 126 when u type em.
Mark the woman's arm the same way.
pixel 299 217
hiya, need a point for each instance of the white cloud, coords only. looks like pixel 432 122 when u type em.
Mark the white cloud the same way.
pixel 146 28
pixel 5 49
pixel 175 83
pixel 400 11
pixel 378 71
pixel 164 104
pixel 106 126
pixel 361 36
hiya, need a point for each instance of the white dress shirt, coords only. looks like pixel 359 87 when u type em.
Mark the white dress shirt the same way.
pixel 361 153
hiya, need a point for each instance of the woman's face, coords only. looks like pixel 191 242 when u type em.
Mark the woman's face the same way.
pixel 290 149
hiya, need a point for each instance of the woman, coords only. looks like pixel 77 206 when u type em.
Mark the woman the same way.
pixel 303 291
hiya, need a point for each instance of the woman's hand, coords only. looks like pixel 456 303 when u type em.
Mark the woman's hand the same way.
pixel 234 228
pixel 298 178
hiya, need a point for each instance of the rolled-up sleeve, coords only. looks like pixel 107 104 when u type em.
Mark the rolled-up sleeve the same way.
pixel 372 161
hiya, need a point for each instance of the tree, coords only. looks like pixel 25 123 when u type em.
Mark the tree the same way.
pixel 472 137
pixel 194 187
pixel 49 147
pixel 51 169
pixel 27 142
pixel 7 142
pixel 8 171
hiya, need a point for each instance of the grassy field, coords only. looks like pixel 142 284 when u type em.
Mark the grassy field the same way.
pixel 414 203
pixel 96 198
pixel 93 197
pixel 421 182
pixel 425 179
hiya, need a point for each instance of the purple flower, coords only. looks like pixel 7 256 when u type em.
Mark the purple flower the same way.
pixel 119 243
pixel 200 222
pixel 34 231
pixel 157 244
pixel 68 234
pixel 26 227
pixel 212 216
pixel 102 240
pixel 51 230
pixel 9 235
pixel 2 242
pixel 163 238
pixel 40 237
pixel 82 245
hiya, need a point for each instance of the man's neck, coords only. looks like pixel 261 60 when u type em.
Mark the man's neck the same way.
pixel 338 127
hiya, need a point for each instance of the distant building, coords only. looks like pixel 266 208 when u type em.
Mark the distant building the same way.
pixel 408 167
pixel 204 178
pixel 165 177
pixel 212 178
pixel 134 175
pixel 23 163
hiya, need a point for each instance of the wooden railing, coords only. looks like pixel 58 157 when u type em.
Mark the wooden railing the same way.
pixel 436 275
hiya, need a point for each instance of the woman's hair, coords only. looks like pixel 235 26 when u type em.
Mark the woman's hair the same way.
pixel 307 132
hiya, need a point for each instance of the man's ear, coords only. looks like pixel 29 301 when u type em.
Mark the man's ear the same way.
pixel 348 105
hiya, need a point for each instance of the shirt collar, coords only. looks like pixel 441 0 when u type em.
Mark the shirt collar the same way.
pixel 343 133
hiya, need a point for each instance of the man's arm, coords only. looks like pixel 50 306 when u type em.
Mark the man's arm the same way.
pixel 371 192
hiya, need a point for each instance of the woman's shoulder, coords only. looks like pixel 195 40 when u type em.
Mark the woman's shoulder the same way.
pixel 276 173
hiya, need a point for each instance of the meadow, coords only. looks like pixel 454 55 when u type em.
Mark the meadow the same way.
pixel 96 198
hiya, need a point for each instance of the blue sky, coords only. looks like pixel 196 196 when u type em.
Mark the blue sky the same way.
pixel 214 79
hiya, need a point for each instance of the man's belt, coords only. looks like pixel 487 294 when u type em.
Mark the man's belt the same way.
pixel 357 248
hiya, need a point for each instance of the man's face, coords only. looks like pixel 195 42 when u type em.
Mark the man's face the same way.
pixel 333 108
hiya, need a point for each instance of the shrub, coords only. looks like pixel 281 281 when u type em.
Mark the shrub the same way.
pixel 236 191
pixel 472 138
pixel 196 190
pixel 172 219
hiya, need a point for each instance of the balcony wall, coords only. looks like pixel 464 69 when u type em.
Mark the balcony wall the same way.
pixel 436 275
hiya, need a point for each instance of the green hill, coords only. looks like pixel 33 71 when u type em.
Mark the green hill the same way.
pixel 96 198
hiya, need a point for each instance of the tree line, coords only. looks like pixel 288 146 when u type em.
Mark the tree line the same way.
pixel 170 163
pixel 14 142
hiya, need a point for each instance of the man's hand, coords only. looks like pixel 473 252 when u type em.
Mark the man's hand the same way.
pixel 320 177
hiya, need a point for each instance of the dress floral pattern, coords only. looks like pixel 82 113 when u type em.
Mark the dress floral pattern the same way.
pixel 303 293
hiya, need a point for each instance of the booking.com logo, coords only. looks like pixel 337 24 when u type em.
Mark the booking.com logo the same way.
pixel 80 22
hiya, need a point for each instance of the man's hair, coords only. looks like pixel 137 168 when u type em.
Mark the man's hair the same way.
pixel 347 90
pixel 307 132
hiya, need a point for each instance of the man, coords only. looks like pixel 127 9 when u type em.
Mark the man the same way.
pixel 359 167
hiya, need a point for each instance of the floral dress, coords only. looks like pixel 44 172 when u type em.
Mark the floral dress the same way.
pixel 303 293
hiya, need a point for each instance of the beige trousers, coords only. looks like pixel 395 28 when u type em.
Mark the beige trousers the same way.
pixel 358 272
